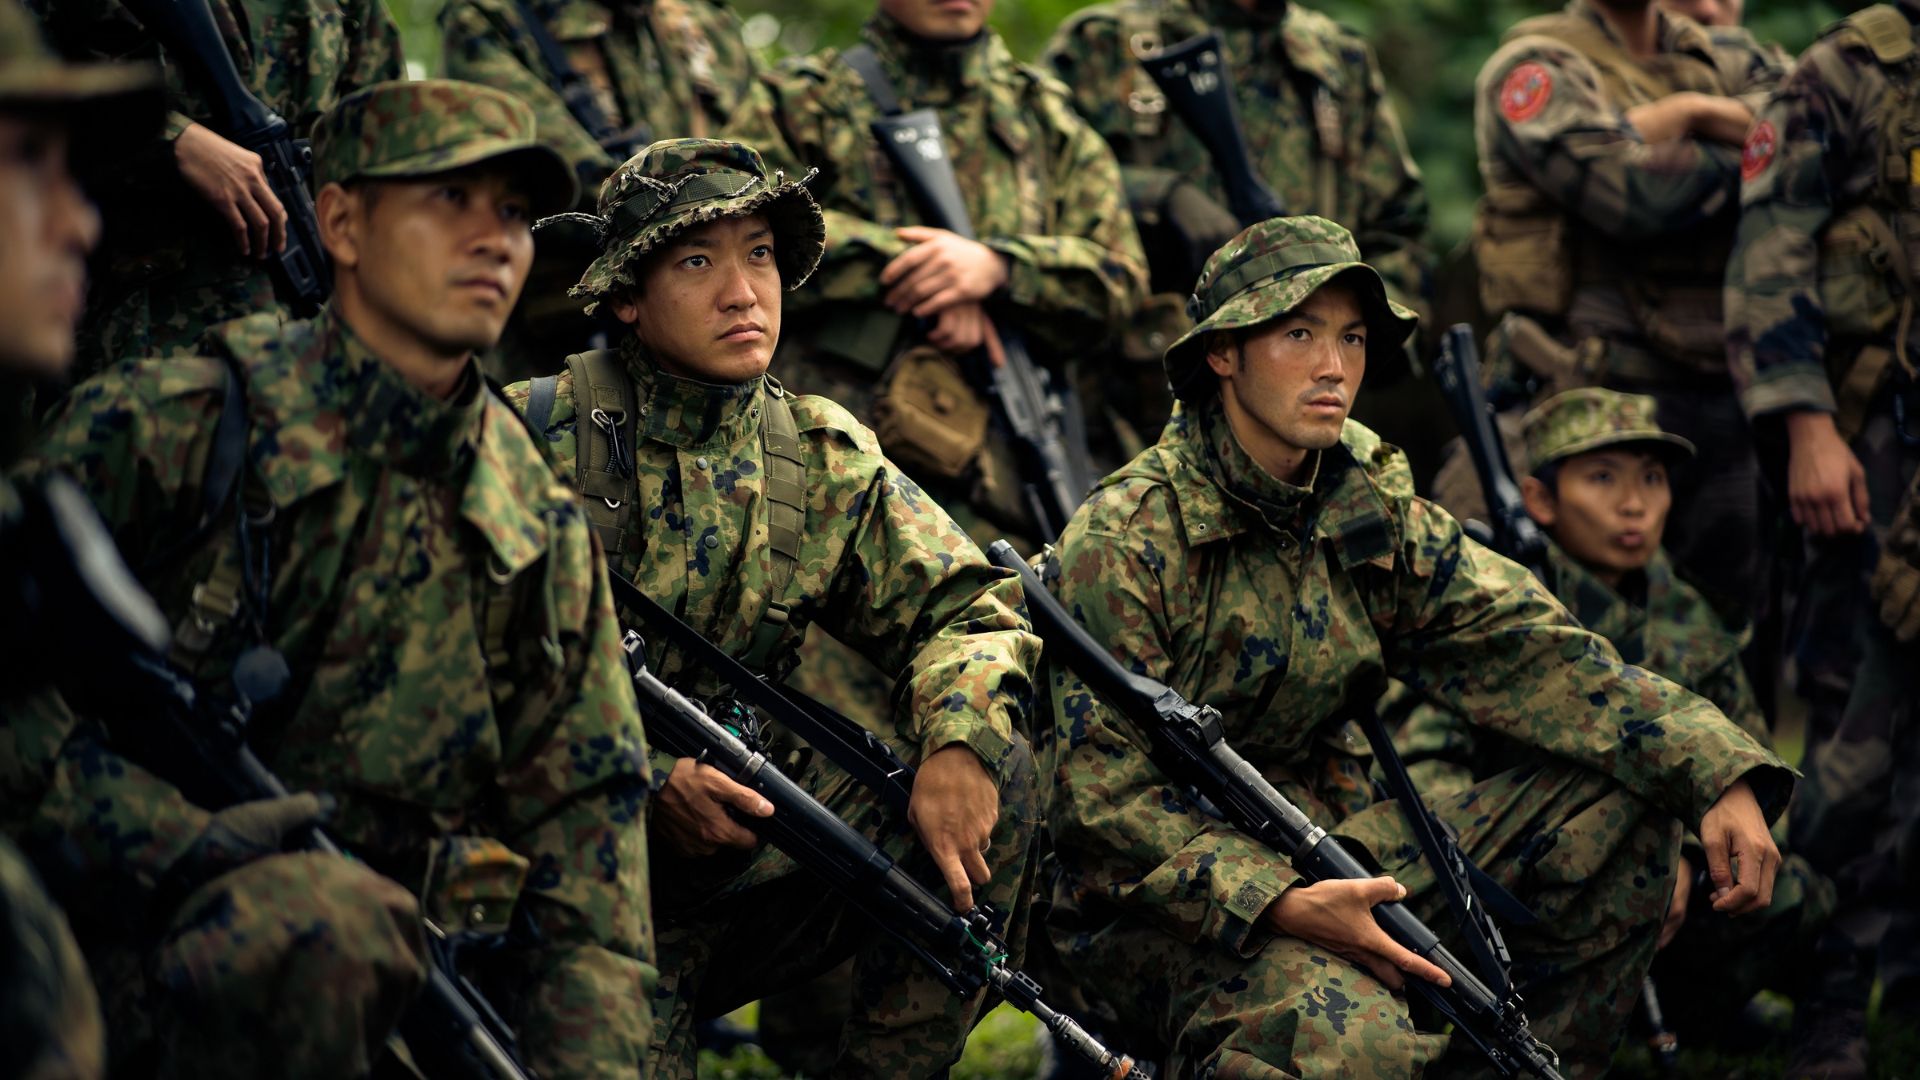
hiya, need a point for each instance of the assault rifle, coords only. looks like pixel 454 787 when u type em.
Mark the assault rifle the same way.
pixel 186 31
pixel 1513 532
pixel 1194 78
pixel 961 950
pixel 1043 420
pixel 1187 743
pixel 156 718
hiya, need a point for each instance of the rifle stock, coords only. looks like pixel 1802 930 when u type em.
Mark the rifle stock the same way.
pixel 1515 534
pixel 1194 78
pixel 1187 743
pixel 187 33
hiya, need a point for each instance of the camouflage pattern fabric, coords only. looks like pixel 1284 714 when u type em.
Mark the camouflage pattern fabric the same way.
pixel 1816 154
pixel 49 1016
pixel 172 270
pixel 399 522
pixel 1589 419
pixel 1273 603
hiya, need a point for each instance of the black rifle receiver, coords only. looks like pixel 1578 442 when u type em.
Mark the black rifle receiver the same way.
pixel 1187 743
pixel 1514 533
pixel 961 950
pixel 1051 453
pixel 1194 78
pixel 189 37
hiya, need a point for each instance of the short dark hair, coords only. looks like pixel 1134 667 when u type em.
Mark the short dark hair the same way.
pixel 1549 475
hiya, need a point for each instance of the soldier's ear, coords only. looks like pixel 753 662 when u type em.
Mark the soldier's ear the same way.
pixel 1223 352
pixel 338 211
pixel 1542 505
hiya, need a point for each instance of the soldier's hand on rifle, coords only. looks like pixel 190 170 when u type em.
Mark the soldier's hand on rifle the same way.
pixel 959 329
pixel 1677 905
pixel 691 810
pixel 1337 915
pixel 233 181
pixel 954 807
pixel 1826 484
pixel 1735 830
pixel 940 270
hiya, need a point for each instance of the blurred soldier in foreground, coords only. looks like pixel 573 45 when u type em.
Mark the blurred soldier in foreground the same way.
pixel 1820 295
pixel 604 80
pixel 189 217
pixel 1268 557
pixel 52 117
pixel 752 513
pixel 402 598
pixel 1609 142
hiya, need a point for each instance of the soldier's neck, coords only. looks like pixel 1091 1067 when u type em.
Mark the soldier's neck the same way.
pixel 1636 21
pixel 425 366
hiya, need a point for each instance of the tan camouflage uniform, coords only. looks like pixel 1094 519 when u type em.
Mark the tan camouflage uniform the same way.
pixel 1616 248
pixel 456 676
pixel 879 565
pixel 1274 603
pixel 1813 297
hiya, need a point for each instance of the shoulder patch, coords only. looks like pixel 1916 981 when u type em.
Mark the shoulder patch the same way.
pixel 1758 152
pixel 1526 91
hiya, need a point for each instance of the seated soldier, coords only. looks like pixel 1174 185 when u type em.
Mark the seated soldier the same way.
pixel 1268 557
pixel 1600 491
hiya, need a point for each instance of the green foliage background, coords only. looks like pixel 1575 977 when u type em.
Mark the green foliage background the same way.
pixel 1429 49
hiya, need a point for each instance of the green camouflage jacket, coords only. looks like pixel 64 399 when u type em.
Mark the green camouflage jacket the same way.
pixel 1815 153
pixel 170 268
pixel 881 566
pixel 662 69
pixel 400 525
pixel 1040 186
pixel 1646 225
pixel 1275 604
pixel 1311 100
pixel 1667 628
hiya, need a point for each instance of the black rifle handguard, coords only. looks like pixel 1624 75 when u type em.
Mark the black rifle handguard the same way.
pixel 1515 534
pixel 1194 78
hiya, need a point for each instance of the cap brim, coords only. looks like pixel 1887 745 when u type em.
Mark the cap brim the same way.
pixel 107 106
pixel 1660 441
pixel 551 182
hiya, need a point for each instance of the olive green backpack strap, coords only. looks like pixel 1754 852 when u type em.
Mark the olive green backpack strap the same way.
pixel 605 412
pixel 786 519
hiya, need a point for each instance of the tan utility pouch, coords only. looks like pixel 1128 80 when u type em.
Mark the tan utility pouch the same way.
pixel 928 415
pixel 1526 261
pixel 1857 275
pixel 472 884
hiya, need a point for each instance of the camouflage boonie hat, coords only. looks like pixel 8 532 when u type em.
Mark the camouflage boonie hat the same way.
pixel 1588 419
pixel 107 102
pixel 678 183
pixel 400 129
pixel 1266 272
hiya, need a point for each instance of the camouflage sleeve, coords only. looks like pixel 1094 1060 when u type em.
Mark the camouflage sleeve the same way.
pixel 915 593
pixel 1135 837
pixel 1805 158
pixel 1391 228
pixel 1476 633
pixel 1089 56
pixel 478 44
pixel 373 48
pixel 1540 108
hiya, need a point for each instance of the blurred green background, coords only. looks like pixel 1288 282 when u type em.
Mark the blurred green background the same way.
pixel 1429 49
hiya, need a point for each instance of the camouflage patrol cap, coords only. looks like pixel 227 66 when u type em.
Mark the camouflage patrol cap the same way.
pixel 395 130
pixel 1588 419
pixel 673 185
pixel 105 102
pixel 1265 272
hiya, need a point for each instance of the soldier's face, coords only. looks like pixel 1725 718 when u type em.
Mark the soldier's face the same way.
pixel 1610 509
pixel 47 226
pixel 708 306
pixel 940 20
pixel 1293 380
pixel 436 262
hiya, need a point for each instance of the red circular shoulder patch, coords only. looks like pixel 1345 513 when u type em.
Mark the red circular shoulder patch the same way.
pixel 1762 141
pixel 1526 92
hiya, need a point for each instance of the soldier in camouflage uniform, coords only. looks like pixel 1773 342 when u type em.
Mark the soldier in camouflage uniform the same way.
pixel 634 71
pixel 754 514
pixel 189 216
pixel 1600 490
pixel 1318 125
pixel 450 676
pixel 1609 139
pixel 1268 558
pixel 1819 295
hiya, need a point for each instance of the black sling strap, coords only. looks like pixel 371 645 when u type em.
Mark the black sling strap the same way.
pixel 866 64
pixel 859 751
pixel 575 91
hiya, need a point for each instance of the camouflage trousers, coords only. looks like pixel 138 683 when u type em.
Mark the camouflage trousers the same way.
pixel 293 966
pixel 1861 794
pixel 1594 863
pixel 734 928
pixel 49 1016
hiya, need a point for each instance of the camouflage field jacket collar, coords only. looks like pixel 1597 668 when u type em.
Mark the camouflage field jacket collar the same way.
pixel 1676 35
pixel 686 413
pixel 935 73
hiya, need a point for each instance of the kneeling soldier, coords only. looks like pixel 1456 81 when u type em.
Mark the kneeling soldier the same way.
pixel 752 514
pixel 1268 557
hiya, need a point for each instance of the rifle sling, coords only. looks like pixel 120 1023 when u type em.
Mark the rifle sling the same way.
pixel 569 83
pixel 860 752
pixel 866 64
